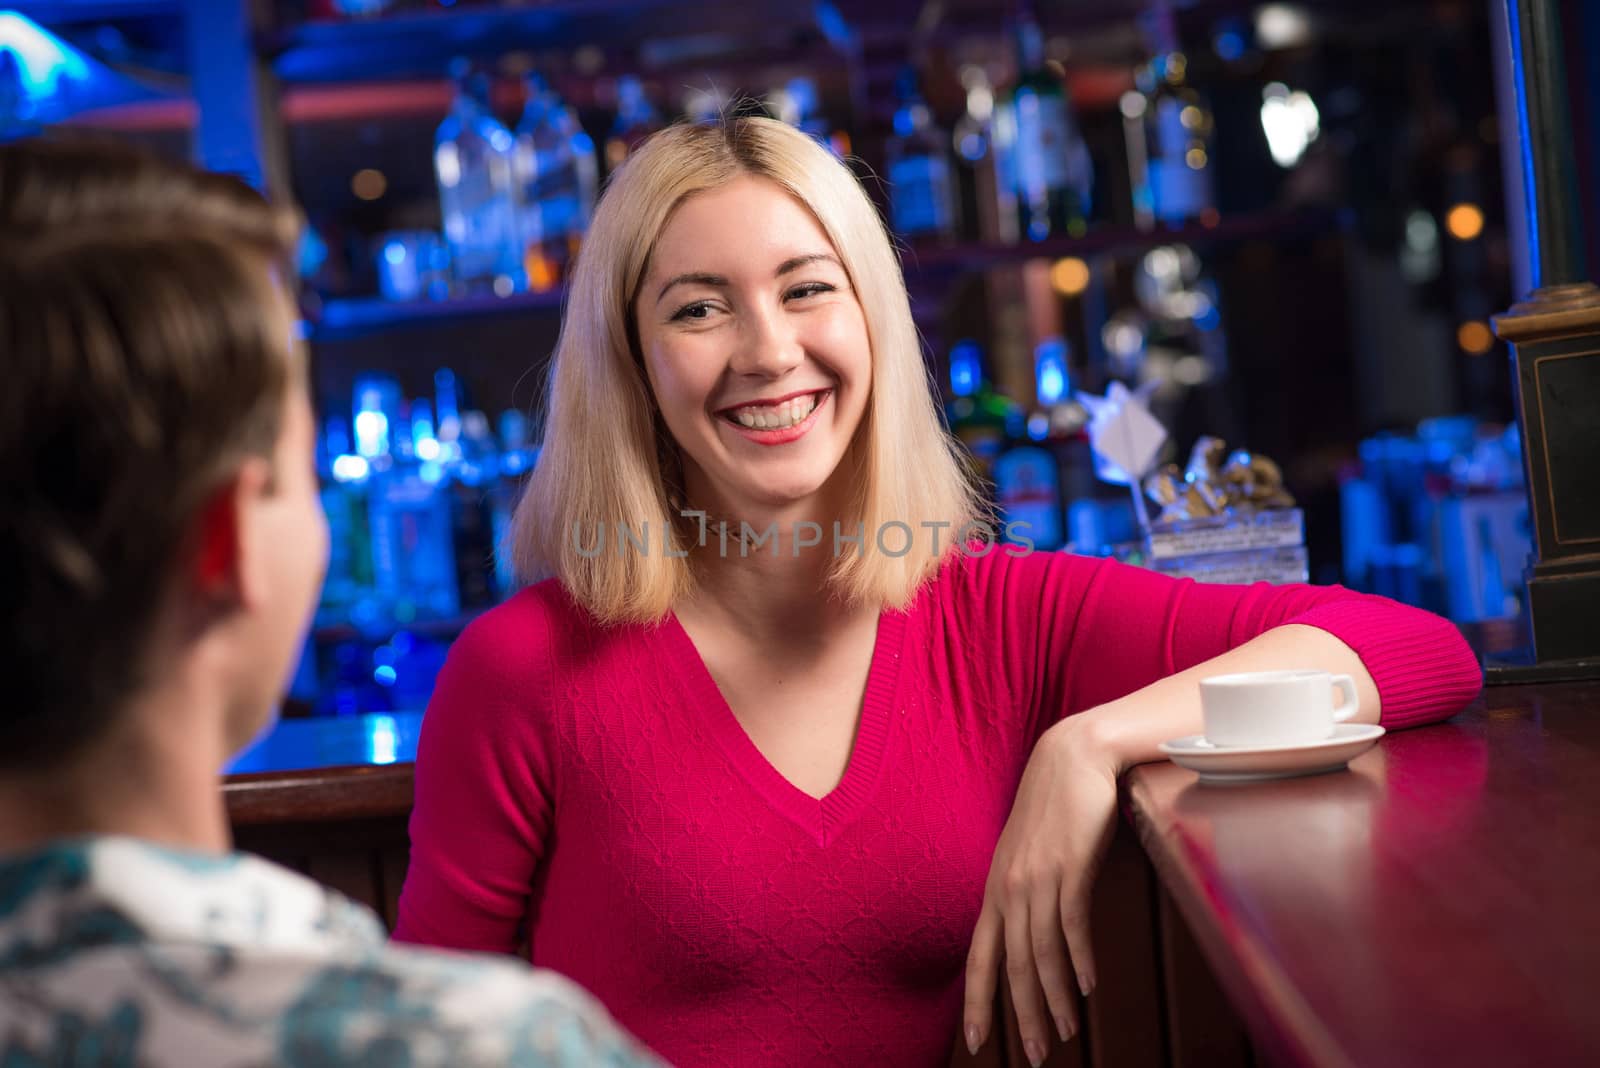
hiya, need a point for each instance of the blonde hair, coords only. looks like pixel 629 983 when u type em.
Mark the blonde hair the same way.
pixel 608 458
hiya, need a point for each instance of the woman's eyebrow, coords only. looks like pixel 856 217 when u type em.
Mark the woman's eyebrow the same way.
pixel 692 278
pixel 793 263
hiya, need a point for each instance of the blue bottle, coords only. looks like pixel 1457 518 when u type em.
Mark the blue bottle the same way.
pixel 413 558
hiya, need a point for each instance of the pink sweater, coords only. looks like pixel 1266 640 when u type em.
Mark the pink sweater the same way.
pixel 593 785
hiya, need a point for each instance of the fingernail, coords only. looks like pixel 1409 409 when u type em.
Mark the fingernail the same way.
pixel 1035 1054
pixel 1086 984
pixel 972 1039
pixel 1062 1029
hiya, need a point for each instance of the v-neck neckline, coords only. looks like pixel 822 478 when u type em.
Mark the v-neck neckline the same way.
pixel 820 817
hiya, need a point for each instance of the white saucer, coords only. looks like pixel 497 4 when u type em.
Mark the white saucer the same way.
pixel 1258 763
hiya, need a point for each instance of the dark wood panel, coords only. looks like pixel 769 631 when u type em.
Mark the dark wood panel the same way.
pixel 1124 1013
pixel 1203 1030
pixel 323 795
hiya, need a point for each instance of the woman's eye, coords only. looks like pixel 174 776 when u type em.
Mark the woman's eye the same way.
pixel 810 289
pixel 697 312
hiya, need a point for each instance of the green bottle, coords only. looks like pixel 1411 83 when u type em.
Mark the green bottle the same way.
pixel 1049 163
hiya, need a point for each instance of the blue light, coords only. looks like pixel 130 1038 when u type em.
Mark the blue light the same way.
pixel 384 675
pixel 966 368
pixel 1052 384
pixel 1229 45
pixel 42 58
pixel 1050 370
pixel 348 468
pixel 1038 426
pixel 395 253
pixel 372 433
pixel 383 739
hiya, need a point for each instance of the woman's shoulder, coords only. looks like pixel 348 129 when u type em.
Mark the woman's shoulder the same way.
pixel 514 637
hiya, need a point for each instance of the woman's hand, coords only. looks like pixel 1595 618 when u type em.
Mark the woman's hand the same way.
pixel 1036 905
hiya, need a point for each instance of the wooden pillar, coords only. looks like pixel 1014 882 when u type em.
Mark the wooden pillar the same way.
pixel 1554 336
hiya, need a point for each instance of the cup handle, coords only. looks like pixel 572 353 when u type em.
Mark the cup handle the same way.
pixel 1351 704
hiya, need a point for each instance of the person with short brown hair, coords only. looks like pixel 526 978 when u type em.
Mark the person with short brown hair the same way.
pixel 161 548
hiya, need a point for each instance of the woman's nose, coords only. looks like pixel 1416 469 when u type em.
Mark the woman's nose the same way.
pixel 768 345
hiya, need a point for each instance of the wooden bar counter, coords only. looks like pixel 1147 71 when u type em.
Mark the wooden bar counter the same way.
pixel 1437 904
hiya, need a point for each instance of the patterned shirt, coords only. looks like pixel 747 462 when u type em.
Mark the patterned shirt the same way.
pixel 114 951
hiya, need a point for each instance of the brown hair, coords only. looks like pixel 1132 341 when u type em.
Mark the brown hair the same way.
pixel 143 364
pixel 46 185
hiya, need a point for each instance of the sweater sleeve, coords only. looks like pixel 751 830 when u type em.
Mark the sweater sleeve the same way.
pixel 482 810
pixel 1099 630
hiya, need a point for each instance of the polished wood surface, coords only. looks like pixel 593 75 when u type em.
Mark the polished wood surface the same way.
pixel 1438 903
pixel 326 770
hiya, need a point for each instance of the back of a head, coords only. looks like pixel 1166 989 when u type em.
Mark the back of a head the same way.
pixel 46 185
pixel 143 364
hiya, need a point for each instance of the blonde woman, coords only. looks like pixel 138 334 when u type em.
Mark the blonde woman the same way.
pixel 775 756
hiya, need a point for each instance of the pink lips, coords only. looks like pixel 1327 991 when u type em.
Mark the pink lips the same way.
pixel 784 435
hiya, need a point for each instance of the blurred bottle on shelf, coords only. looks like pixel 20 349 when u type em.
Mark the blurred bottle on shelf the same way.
pixel 517 458
pixel 557 177
pixel 1168 127
pixel 636 119
pixel 413 558
pixel 474 163
pixel 344 476
pixel 412 265
pixel 798 105
pixel 468 473
pixel 987 157
pixel 984 421
pixel 1049 163
pixel 921 186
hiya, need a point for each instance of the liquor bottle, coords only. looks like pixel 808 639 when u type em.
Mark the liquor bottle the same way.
pixel 636 119
pixel 413 559
pixel 1050 166
pixel 1028 493
pixel 516 460
pixel 468 474
pixel 921 185
pixel 986 153
pixel 1168 127
pixel 984 421
pixel 345 477
pixel 557 177
pixel 473 160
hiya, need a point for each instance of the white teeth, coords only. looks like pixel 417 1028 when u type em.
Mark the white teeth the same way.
pixel 777 417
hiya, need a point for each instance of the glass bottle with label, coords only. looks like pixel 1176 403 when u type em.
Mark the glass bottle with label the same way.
pixel 921 185
pixel 1049 163
pixel 1168 126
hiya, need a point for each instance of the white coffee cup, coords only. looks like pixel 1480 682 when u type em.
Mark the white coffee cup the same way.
pixel 1262 708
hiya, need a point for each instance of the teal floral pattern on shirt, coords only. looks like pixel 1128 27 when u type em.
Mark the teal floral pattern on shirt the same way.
pixel 117 952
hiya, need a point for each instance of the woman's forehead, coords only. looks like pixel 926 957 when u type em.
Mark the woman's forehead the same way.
pixel 746 221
